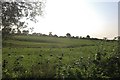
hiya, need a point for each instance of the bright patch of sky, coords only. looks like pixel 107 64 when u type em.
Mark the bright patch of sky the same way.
pixel 79 18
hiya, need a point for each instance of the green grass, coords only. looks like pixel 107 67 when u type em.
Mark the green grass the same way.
pixel 45 53
pixel 48 42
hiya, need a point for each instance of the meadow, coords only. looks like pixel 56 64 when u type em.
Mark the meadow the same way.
pixel 52 57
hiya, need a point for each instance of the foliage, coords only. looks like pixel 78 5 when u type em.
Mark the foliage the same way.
pixel 25 32
pixel 68 35
pixel 14 12
pixel 76 62
pixel 88 37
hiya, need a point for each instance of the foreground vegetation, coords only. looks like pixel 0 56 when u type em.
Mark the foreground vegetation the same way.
pixel 52 57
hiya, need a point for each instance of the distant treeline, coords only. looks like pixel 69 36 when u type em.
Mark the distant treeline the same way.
pixel 68 35
pixel 7 33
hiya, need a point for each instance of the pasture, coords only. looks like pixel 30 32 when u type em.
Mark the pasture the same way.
pixel 53 57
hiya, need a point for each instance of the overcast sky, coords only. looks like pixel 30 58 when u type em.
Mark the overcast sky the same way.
pixel 79 18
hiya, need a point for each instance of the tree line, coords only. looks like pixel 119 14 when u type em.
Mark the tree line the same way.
pixel 68 35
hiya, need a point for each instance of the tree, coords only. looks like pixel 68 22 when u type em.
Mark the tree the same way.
pixel 26 32
pixel 13 12
pixel 55 35
pixel 105 38
pixel 18 32
pixel 88 37
pixel 50 33
pixel 13 31
pixel 77 37
pixel 6 32
pixel 80 37
pixel 68 35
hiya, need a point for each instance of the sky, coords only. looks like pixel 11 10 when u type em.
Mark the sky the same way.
pixel 79 18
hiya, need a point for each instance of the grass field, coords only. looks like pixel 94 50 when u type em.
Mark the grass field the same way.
pixel 52 57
